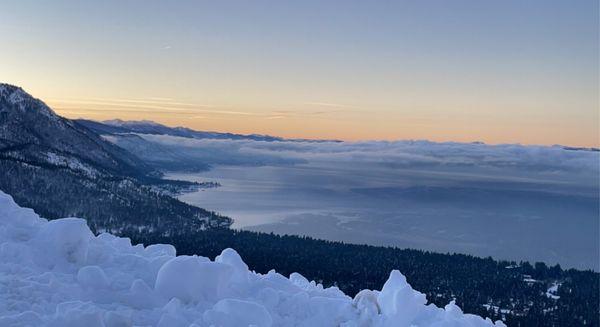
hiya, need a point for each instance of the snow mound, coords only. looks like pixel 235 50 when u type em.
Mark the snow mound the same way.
pixel 57 273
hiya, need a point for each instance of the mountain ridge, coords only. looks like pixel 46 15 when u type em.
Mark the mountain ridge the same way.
pixel 61 168
pixel 28 123
pixel 118 126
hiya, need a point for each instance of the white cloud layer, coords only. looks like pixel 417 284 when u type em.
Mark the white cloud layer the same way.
pixel 549 161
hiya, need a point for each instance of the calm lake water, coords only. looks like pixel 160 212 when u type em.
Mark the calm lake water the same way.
pixel 506 218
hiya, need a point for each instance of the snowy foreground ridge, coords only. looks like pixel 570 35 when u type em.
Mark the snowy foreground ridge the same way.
pixel 57 273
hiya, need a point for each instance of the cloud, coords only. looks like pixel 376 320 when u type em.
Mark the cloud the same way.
pixel 128 102
pixel 329 104
pixel 460 160
pixel 419 153
pixel 230 112
pixel 154 105
pixel 197 152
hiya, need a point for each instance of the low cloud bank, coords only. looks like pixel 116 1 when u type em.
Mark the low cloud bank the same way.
pixel 554 162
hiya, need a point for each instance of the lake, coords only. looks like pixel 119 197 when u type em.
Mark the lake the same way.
pixel 507 217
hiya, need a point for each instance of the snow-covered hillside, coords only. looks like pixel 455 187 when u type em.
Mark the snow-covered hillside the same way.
pixel 57 273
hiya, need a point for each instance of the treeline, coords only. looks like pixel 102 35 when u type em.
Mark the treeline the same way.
pixel 108 203
pixel 473 282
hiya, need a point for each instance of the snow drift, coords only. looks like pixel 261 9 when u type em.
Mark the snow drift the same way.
pixel 57 273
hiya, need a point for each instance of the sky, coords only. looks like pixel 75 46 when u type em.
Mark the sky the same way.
pixel 493 71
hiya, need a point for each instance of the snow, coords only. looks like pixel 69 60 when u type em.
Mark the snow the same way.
pixel 497 309
pixel 92 277
pixel 527 279
pixel 18 97
pixel 57 273
pixel 72 163
pixel 552 291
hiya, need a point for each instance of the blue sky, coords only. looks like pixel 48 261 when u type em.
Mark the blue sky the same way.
pixel 496 71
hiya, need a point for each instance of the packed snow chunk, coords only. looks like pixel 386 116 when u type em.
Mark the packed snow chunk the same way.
pixel 366 303
pixel 233 259
pixel 17 223
pixel 160 250
pixel 233 313
pixel 329 311
pixel 63 242
pixel 57 273
pixel 92 277
pixel 398 301
pixel 192 279
pixel 140 296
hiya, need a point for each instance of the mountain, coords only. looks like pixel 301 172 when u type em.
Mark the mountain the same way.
pixel 118 126
pixel 61 168
pixel 32 132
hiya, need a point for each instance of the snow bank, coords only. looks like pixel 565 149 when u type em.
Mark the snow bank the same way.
pixel 57 273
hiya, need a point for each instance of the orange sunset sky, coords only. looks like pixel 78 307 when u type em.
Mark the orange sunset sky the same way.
pixel 466 71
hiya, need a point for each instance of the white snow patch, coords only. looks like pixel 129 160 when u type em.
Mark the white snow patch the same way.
pixel 496 309
pixel 527 279
pixel 57 273
pixel 553 291
pixel 72 163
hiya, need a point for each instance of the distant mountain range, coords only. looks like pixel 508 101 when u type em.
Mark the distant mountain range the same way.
pixel 118 126
pixel 60 167
pixel 151 142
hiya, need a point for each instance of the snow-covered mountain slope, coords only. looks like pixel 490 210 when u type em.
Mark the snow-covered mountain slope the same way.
pixel 31 132
pixel 57 273
pixel 61 168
